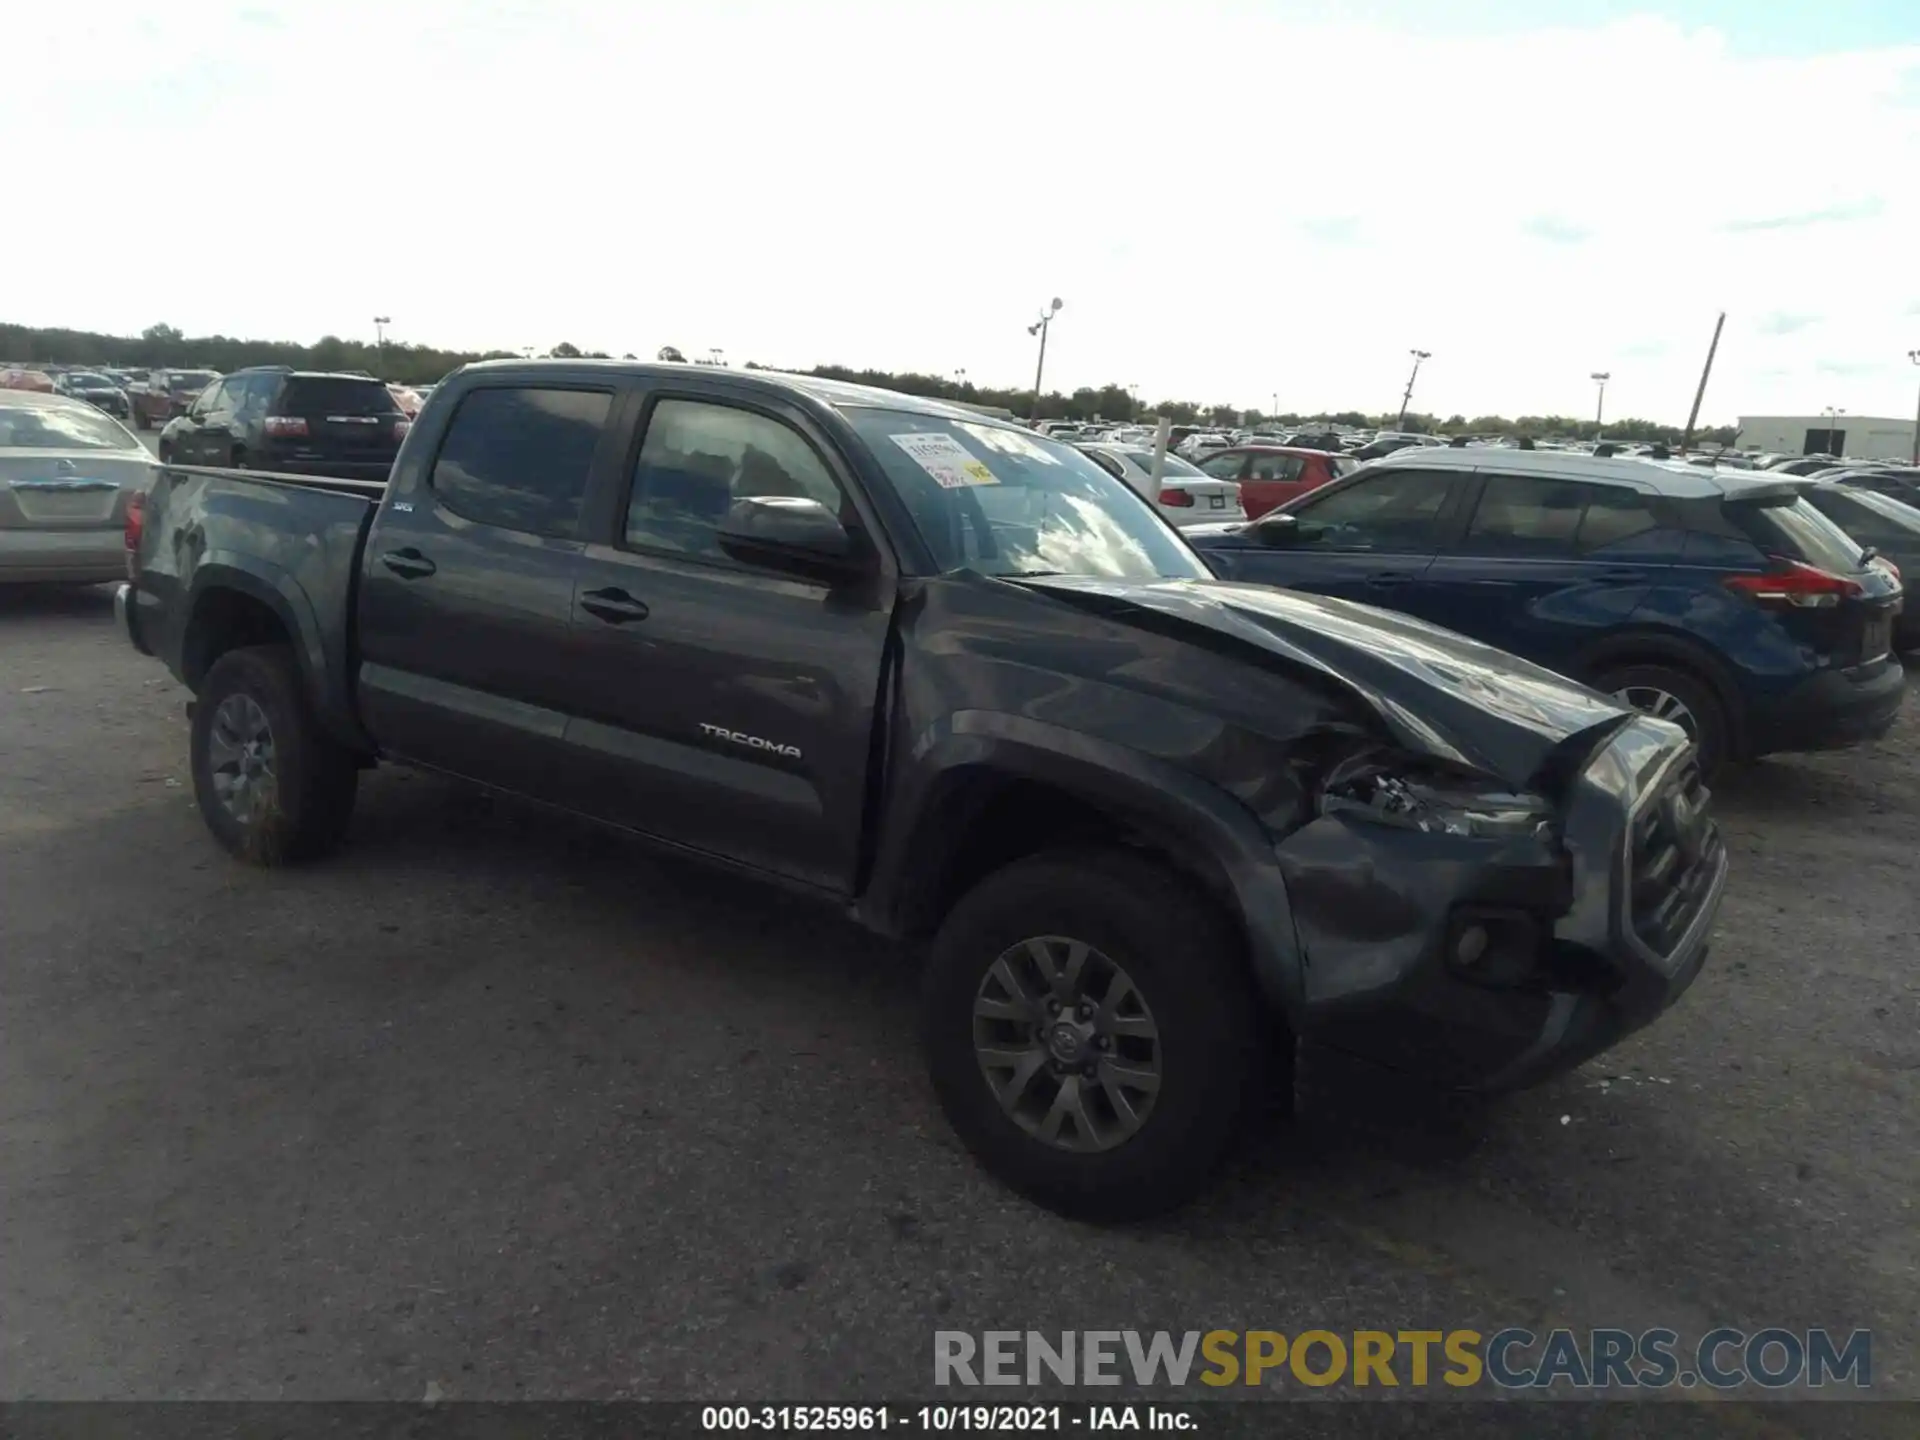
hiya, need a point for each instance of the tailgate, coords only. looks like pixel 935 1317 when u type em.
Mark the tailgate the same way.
pixel 69 490
pixel 347 418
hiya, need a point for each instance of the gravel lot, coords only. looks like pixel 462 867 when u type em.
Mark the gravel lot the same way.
pixel 500 1105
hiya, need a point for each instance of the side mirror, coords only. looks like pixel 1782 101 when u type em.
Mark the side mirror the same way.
pixel 1279 529
pixel 789 532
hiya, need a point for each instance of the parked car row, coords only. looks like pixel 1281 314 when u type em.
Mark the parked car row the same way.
pixel 1731 603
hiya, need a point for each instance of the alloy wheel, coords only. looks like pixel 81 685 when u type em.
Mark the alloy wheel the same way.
pixel 1067 1044
pixel 240 759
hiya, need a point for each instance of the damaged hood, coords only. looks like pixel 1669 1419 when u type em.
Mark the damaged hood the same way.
pixel 1438 693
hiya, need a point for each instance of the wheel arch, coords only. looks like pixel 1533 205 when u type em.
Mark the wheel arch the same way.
pixel 991 791
pixel 1660 647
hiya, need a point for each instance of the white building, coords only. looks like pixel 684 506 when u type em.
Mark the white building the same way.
pixel 1861 437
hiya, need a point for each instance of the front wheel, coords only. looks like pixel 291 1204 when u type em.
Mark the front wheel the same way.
pixel 271 787
pixel 1675 695
pixel 1093 1033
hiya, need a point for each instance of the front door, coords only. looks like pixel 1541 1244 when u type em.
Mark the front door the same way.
pixel 467 589
pixel 731 708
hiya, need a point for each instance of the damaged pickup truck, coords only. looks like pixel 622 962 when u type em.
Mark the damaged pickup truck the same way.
pixel 1149 830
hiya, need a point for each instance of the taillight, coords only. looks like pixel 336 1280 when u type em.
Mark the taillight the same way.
pixel 284 427
pixel 1181 499
pixel 400 429
pixel 1796 587
pixel 130 536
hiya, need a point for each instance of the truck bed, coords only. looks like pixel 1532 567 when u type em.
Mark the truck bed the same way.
pixel 291 542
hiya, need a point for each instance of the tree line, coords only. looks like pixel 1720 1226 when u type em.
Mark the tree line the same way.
pixel 165 345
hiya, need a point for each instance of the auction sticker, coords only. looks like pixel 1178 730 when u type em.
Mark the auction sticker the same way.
pixel 945 459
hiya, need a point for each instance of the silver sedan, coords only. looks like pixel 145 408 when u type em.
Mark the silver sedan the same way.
pixel 67 473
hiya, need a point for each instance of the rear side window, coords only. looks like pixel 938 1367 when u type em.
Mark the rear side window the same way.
pixel 1797 531
pixel 518 459
pixel 315 396
pixel 1275 467
pixel 1519 515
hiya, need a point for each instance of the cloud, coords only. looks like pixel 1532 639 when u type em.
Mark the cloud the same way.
pixel 1781 323
pixel 1555 230
pixel 1869 209
pixel 1849 367
pixel 1646 349
pixel 1333 229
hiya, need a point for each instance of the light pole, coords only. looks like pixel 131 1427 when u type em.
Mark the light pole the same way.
pixel 1407 399
pixel 1133 399
pixel 960 379
pixel 1833 414
pixel 1914 356
pixel 1600 378
pixel 1039 327
pixel 380 323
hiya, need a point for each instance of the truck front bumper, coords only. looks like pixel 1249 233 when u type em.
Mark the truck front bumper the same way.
pixel 1580 940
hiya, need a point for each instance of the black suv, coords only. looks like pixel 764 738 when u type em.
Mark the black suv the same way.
pixel 298 422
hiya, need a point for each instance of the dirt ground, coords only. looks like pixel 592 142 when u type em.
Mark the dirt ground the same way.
pixel 501 1106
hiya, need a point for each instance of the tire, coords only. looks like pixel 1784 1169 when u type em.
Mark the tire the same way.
pixel 1707 717
pixel 1187 966
pixel 303 812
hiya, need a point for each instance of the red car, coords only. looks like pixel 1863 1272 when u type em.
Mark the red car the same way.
pixel 1271 475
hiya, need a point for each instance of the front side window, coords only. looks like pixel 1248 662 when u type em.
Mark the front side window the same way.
pixel 1398 511
pixel 698 457
pixel 518 459
pixel 1005 502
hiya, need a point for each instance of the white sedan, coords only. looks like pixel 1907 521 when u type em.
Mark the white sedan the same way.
pixel 67 473
pixel 1186 496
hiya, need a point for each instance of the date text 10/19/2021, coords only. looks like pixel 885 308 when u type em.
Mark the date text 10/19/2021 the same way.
pixel 990 1419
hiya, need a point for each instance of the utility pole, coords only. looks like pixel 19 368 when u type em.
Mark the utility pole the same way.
pixel 1600 406
pixel 1914 356
pixel 1407 399
pixel 1040 327
pixel 1686 440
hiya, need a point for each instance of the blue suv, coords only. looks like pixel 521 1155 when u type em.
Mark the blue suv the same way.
pixel 1720 600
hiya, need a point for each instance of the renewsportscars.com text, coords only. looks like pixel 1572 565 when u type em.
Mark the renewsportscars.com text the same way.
pixel 1510 1359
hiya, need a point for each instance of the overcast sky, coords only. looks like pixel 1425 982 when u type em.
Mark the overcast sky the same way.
pixel 1234 200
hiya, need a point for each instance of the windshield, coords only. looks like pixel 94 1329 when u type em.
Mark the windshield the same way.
pixel 61 428
pixel 1174 466
pixel 183 381
pixel 1004 502
pixel 315 396
pixel 90 382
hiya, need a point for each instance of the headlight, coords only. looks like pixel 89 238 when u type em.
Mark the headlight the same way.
pixel 1392 790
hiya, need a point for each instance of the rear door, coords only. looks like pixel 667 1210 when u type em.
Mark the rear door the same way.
pixel 1368 539
pixel 1546 566
pixel 720 705
pixel 1270 480
pixel 467 588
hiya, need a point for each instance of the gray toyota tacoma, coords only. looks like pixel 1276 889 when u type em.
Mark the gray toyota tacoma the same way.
pixel 1148 830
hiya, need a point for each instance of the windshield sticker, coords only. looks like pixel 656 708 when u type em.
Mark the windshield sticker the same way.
pixel 1010 442
pixel 945 459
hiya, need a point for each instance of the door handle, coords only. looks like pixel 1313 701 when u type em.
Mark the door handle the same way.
pixel 408 564
pixel 613 605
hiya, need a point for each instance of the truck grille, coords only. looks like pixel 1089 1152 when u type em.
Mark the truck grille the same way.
pixel 1673 856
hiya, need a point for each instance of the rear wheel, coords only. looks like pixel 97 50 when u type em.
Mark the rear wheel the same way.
pixel 271 787
pixel 1675 695
pixel 1093 1033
